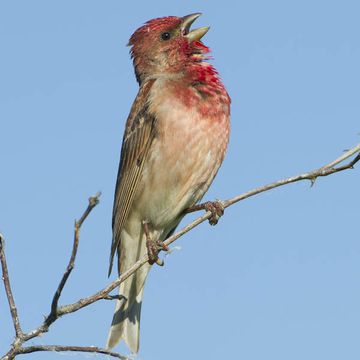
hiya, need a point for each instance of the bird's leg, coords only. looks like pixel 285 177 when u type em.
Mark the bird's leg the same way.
pixel 215 207
pixel 153 247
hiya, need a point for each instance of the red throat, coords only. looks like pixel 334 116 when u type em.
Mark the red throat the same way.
pixel 206 90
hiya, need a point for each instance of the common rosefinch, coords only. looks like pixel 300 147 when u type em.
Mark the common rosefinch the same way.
pixel 174 143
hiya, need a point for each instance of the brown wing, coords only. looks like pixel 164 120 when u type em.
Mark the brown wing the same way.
pixel 138 136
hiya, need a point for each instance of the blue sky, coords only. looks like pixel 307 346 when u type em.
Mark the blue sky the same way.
pixel 278 278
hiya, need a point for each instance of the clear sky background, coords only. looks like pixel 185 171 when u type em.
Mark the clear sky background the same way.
pixel 279 277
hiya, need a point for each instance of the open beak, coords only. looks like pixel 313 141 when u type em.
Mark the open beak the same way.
pixel 193 35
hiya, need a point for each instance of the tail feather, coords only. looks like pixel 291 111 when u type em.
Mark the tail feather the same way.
pixel 126 321
pixel 126 324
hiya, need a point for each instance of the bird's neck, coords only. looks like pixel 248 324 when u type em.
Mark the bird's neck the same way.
pixel 197 87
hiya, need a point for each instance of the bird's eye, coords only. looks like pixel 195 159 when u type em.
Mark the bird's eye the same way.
pixel 165 36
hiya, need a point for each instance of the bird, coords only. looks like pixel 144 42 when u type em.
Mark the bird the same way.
pixel 175 140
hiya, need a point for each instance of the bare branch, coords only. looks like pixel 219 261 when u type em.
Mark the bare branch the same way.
pixel 57 312
pixel 346 155
pixel 62 348
pixel 312 175
pixel 16 347
pixel 9 294
pixel 93 201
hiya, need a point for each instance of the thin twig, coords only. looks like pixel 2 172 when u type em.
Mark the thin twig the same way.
pixel 62 348
pixel 346 155
pixel 325 170
pixel 9 294
pixel 93 201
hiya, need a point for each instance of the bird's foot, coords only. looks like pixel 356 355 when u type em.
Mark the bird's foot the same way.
pixel 153 247
pixel 215 207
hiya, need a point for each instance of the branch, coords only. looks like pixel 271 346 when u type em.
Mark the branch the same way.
pixel 9 294
pixel 325 170
pixel 54 313
pixel 57 312
pixel 16 347
pixel 93 201
pixel 62 348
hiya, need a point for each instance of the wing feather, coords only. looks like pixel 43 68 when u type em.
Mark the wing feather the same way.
pixel 139 134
